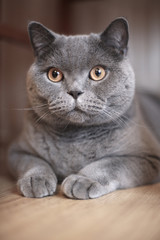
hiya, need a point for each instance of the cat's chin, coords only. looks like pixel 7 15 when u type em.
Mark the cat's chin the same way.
pixel 76 116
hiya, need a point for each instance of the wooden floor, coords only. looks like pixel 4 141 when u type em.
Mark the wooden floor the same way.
pixel 124 214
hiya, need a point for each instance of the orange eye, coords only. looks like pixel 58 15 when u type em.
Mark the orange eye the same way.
pixel 55 75
pixel 97 73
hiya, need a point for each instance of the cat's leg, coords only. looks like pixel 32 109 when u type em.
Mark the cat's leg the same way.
pixel 107 175
pixel 35 176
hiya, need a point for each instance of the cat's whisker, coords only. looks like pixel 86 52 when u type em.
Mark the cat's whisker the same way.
pixel 120 118
pixel 29 108
pixel 115 120
pixel 22 109
pixel 39 106
pixel 42 117
pixel 131 120
pixel 106 113
pixel 67 125
pixel 57 116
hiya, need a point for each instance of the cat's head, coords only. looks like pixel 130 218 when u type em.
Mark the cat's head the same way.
pixel 84 79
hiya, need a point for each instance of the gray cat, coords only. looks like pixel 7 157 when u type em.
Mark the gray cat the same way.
pixel 85 126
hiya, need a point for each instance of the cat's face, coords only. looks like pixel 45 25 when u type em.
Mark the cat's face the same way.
pixel 80 79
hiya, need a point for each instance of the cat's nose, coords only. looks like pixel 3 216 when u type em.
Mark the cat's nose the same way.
pixel 75 94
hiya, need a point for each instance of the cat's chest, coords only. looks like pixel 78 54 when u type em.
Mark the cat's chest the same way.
pixel 68 156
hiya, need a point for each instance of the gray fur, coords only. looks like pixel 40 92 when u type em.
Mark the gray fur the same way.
pixel 96 143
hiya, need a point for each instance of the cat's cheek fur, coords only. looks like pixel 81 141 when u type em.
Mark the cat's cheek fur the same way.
pixel 61 104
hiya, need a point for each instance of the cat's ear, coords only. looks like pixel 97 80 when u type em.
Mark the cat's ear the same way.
pixel 116 35
pixel 40 37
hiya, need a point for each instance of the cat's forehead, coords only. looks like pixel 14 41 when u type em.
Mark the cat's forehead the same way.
pixel 73 48
pixel 76 52
pixel 77 41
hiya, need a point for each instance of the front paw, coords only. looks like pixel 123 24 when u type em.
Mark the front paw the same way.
pixel 81 187
pixel 37 185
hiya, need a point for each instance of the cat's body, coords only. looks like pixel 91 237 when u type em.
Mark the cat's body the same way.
pixel 85 130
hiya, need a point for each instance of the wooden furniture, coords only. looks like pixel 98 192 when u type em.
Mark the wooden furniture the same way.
pixel 132 214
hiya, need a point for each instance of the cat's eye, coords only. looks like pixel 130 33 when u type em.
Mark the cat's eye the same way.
pixel 55 75
pixel 97 73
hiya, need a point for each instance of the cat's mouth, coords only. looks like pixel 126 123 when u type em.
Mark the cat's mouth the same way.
pixel 75 112
pixel 78 110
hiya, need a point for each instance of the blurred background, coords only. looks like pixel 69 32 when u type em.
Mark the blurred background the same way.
pixel 69 17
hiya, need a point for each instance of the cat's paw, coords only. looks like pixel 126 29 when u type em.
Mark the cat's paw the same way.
pixel 81 187
pixel 37 185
